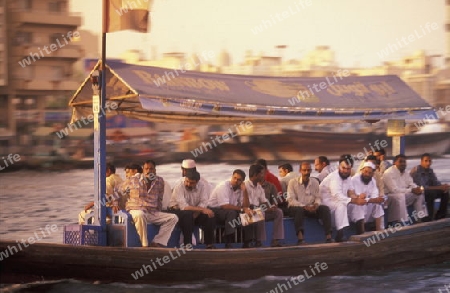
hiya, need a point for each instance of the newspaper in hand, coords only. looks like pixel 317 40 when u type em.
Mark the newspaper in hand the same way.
pixel 257 216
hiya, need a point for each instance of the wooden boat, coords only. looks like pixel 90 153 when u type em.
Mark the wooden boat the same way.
pixel 210 98
pixel 409 246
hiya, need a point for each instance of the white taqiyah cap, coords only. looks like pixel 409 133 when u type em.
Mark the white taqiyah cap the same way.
pixel 188 164
pixel 369 164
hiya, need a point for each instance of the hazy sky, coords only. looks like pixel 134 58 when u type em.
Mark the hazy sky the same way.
pixel 357 30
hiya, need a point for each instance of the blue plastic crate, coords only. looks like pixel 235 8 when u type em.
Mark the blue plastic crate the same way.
pixel 75 234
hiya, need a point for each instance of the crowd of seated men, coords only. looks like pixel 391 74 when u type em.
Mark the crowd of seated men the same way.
pixel 335 197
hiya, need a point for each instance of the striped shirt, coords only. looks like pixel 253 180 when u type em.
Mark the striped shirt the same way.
pixel 143 195
pixel 299 195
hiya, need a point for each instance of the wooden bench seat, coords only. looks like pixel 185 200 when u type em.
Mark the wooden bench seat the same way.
pixel 122 232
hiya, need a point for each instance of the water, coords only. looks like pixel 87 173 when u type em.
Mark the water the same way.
pixel 31 200
pixel 428 279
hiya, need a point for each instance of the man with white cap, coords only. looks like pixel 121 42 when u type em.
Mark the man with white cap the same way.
pixel 366 187
pixel 190 164
pixel 377 176
pixel 189 203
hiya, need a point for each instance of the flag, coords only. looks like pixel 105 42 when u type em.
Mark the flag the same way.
pixel 127 15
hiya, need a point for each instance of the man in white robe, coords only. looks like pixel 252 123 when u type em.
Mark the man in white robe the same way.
pixel 365 186
pixel 337 193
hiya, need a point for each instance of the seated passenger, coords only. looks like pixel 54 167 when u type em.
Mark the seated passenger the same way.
pixel 376 174
pixel 145 195
pixel 113 181
pixel 402 192
pixel 424 176
pixel 369 154
pixel 187 165
pixel 286 174
pixel 304 199
pixel 166 197
pixel 127 171
pixel 365 187
pixel 337 192
pixel 257 198
pixel 167 189
pixel 322 165
pixel 380 154
pixel 226 201
pixel 272 195
pixel 189 202
pixel 269 177
pixel 270 191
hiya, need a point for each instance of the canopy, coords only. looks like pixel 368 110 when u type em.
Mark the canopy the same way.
pixel 164 95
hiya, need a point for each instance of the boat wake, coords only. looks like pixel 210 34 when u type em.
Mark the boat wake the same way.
pixel 424 279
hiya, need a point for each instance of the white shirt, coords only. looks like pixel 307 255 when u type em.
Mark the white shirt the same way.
pixel 299 196
pixel 284 181
pixel 196 197
pixel 396 182
pixel 203 182
pixel 256 194
pixel 370 190
pixel 334 189
pixel 324 173
pixel 224 194
pixel 378 181
pixel 167 195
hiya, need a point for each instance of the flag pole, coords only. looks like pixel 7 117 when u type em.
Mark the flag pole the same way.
pixel 100 134
pixel 102 120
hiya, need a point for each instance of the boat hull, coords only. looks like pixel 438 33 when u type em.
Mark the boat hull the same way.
pixel 403 248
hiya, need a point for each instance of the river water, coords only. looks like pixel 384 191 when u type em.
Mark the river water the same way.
pixel 31 200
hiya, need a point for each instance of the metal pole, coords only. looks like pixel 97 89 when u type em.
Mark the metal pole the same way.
pixel 100 136
pixel 398 145
pixel 396 129
pixel 98 107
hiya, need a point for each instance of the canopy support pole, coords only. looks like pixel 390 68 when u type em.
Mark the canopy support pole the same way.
pixel 98 108
pixel 398 145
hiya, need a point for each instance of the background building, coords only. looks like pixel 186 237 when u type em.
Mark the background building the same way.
pixel 44 58
pixel 38 49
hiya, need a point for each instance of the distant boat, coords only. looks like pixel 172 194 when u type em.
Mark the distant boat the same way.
pixel 336 143
pixel 289 144
pixel 50 151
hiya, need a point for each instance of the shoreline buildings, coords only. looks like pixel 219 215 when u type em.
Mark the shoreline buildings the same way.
pixel 42 55
pixel 38 50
